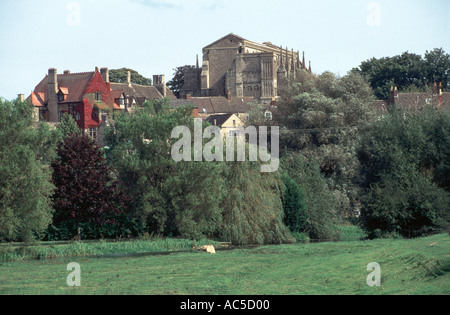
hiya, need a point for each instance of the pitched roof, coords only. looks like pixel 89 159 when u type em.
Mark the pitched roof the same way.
pixel 74 84
pixel 217 104
pixel 170 94
pixel 381 106
pixel 38 99
pixel 139 92
pixel 218 120
pixel 418 99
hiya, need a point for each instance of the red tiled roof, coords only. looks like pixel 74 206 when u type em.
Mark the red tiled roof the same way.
pixel 38 99
pixel 116 93
pixel 64 90
pixel 76 83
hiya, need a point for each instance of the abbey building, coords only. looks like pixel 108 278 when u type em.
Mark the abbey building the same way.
pixel 235 67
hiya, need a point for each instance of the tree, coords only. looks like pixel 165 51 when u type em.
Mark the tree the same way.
pixel 121 76
pixel 252 210
pixel 404 158
pixel 170 198
pixel 25 187
pixel 321 203
pixel 437 67
pixel 86 192
pixel 409 72
pixel 295 208
pixel 324 117
pixel 68 126
pixel 178 79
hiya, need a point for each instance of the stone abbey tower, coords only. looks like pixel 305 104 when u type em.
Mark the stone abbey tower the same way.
pixel 235 67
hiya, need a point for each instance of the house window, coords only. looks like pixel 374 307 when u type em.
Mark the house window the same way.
pixel 98 96
pixel 234 123
pixel 268 115
pixel 60 97
pixel 76 115
pixel 93 133
pixel 122 101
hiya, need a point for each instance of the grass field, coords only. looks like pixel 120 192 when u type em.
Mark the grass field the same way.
pixel 419 266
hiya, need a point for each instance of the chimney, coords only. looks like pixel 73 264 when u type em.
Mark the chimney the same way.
pixel 435 88
pixel 229 95
pixel 66 71
pixel 159 82
pixel 105 74
pixel 21 97
pixel 129 78
pixel 52 95
pixel 195 112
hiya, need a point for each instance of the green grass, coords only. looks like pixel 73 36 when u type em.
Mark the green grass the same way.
pixel 419 266
pixel 54 249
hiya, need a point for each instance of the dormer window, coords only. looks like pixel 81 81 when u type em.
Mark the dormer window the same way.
pixel 122 101
pixel 60 97
pixel 98 96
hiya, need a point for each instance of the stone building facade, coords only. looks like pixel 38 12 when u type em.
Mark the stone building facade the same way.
pixel 235 67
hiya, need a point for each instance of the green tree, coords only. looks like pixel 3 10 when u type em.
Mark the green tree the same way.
pixel 324 117
pixel 295 208
pixel 409 72
pixel 25 186
pixel 170 198
pixel 178 79
pixel 404 158
pixel 437 67
pixel 68 126
pixel 121 76
pixel 321 203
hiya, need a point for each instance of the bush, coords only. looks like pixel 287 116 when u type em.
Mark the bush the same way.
pixel 405 158
pixel 409 207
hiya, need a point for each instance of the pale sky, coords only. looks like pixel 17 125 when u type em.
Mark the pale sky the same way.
pixel 156 36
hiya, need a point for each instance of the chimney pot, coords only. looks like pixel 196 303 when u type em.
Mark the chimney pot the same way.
pixel 66 71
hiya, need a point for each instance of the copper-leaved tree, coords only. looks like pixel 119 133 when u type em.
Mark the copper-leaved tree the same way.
pixel 86 192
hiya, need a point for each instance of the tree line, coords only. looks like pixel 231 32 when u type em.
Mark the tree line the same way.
pixel 339 162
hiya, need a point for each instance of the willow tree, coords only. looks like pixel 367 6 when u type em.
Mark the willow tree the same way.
pixel 253 209
pixel 169 198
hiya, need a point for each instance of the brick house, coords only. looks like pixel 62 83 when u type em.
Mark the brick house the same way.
pixel 90 98
pixel 85 96
pixel 414 100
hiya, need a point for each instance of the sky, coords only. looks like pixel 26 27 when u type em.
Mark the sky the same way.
pixel 156 36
